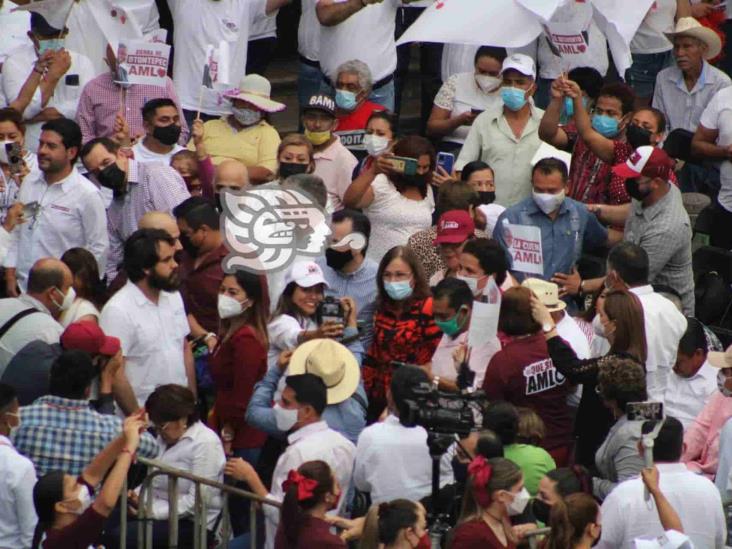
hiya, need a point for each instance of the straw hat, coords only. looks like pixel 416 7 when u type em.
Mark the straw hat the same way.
pixel 257 90
pixel 688 26
pixel 330 361
pixel 547 292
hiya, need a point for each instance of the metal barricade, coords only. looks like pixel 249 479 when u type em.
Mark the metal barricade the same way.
pixel 534 535
pixel 200 523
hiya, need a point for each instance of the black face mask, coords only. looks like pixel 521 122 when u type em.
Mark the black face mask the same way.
pixel 112 177
pixel 188 246
pixel 337 260
pixel 291 168
pixel 637 136
pixel 460 471
pixel 633 189
pixel 167 135
pixel 541 510
pixel 487 197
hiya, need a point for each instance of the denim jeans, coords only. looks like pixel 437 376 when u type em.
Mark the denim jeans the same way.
pixel 642 73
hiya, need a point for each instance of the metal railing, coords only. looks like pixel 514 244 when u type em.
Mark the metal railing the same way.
pixel 200 516
pixel 534 535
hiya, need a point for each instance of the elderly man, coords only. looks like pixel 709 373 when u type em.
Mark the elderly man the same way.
pixel 353 109
pixel 501 136
pixel 684 90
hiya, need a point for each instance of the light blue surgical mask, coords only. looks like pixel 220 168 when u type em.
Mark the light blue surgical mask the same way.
pixel 399 290
pixel 54 44
pixel 345 100
pixel 513 98
pixel 606 126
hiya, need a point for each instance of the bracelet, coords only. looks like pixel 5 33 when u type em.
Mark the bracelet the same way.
pixel 582 287
pixel 209 336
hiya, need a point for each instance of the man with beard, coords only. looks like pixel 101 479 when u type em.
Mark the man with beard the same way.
pixel 63 209
pixel 148 316
pixel 137 188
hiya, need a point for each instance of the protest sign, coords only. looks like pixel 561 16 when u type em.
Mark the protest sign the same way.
pixel 524 247
pixel 484 320
pixel 141 62
pixel 352 139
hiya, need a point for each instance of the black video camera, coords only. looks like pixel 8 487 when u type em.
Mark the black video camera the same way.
pixel 444 412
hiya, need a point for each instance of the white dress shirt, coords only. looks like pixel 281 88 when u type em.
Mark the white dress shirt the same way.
pixel 664 326
pixel 393 461
pixel 70 215
pixel 66 94
pixel 199 452
pixel 152 337
pixel 30 328
pixel 686 396
pixel 17 512
pixel 142 154
pixel 627 515
pixel 312 442
pixel 569 331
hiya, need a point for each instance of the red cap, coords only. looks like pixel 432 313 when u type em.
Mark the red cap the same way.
pixel 454 227
pixel 88 336
pixel 647 161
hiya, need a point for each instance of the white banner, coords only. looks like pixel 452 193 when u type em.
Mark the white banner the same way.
pixel 216 67
pixel 55 12
pixel 484 320
pixel 524 246
pixel 141 62
pixel 114 21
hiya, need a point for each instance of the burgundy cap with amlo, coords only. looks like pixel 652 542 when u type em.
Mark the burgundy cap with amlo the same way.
pixel 647 161
pixel 454 227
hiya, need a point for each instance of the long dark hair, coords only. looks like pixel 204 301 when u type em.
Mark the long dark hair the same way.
pixel 384 521
pixel 412 146
pixel 421 284
pixel 82 264
pixel 625 309
pixel 47 492
pixel 568 519
pixel 292 512
pixel 285 305
pixel 257 314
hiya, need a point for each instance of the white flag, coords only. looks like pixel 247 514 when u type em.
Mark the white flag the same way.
pixel 54 12
pixel 114 21
pixel 216 67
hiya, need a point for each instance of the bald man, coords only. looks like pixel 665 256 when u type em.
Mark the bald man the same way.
pixel 33 315
pixel 230 175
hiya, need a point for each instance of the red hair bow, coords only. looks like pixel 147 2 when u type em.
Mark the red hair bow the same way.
pixel 305 485
pixel 481 472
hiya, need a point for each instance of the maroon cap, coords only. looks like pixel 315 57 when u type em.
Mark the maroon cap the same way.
pixel 454 227
pixel 647 161
pixel 87 336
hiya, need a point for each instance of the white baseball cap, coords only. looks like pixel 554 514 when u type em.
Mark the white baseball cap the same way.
pixel 521 63
pixel 305 274
pixel 671 539
pixel 647 161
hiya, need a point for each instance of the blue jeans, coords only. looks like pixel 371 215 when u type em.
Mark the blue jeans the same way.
pixel 384 95
pixel 641 75
pixel 239 507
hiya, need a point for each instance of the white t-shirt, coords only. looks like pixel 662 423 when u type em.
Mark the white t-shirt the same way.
pixel 199 23
pixel 582 42
pixel 718 116
pixel 367 35
pixel 457 58
pixel 308 31
pixel 143 154
pixel 79 309
pixel 264 26
pixel 650 38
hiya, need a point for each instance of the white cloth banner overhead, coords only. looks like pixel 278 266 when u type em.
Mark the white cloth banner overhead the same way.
pixel 55 12
pixel 619 20
pixel 114 22
pixel 524 247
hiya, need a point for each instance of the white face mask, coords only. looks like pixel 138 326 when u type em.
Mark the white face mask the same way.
pixel 246 117
pixel 68 300
pixel 487 83
pixel 84 499
pixel 597 326
pixel 229 307
pixel 285 417
pixel 471 281
pixel 548 202
pixel 375 144
pixel 520 500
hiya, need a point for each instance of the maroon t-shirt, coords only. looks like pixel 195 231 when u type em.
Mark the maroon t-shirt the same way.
pixel 523 374
pixel 80 534
pixel 314 533
pixel 476 534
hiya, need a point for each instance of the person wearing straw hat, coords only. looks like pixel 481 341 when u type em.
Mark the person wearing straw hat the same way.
pixel 684 89
pixel 246 134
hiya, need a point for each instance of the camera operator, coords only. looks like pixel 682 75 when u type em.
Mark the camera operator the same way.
pixel 452 308
pixel 393 461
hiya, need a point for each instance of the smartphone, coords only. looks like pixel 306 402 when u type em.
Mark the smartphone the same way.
pixel 446 161
pixel 644 411
pixel 14 153
pixel 330 310
pixel 402 164
pixel 30 209
pixel 72 80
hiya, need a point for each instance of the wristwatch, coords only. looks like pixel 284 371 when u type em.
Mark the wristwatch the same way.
pixel 547 327
pixel 436 382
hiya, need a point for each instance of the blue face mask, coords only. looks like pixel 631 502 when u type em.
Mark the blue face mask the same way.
pixel 54 44
pixel 399 290
pixel 513 98
pixel 345 100
pixel 606 126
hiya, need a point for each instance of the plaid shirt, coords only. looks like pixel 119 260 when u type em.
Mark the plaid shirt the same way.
pixel 100 101
pixel 60 434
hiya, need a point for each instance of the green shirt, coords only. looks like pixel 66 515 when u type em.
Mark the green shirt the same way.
pixel 535 462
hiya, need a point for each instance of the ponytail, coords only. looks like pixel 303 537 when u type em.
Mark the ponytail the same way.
pixel 569 518
pixel 370 536
pixel 38 533
pixel 48 491
pixel 304 489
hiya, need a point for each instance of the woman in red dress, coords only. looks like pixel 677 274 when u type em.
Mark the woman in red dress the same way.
pixel 494 492
pixel 310 492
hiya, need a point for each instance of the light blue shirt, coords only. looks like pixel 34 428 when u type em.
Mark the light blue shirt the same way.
pixel 562 240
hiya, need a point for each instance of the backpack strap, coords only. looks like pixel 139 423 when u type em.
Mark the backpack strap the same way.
pixel 15 318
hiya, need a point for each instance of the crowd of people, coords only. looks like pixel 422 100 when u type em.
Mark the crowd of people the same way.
pixel 125 330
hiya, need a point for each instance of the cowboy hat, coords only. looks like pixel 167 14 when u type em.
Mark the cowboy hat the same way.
pixel 256 90
pixel 330 361
pixel 688 26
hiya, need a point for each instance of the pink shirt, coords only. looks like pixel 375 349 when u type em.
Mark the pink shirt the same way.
pixel 335 166
pixel 702 437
